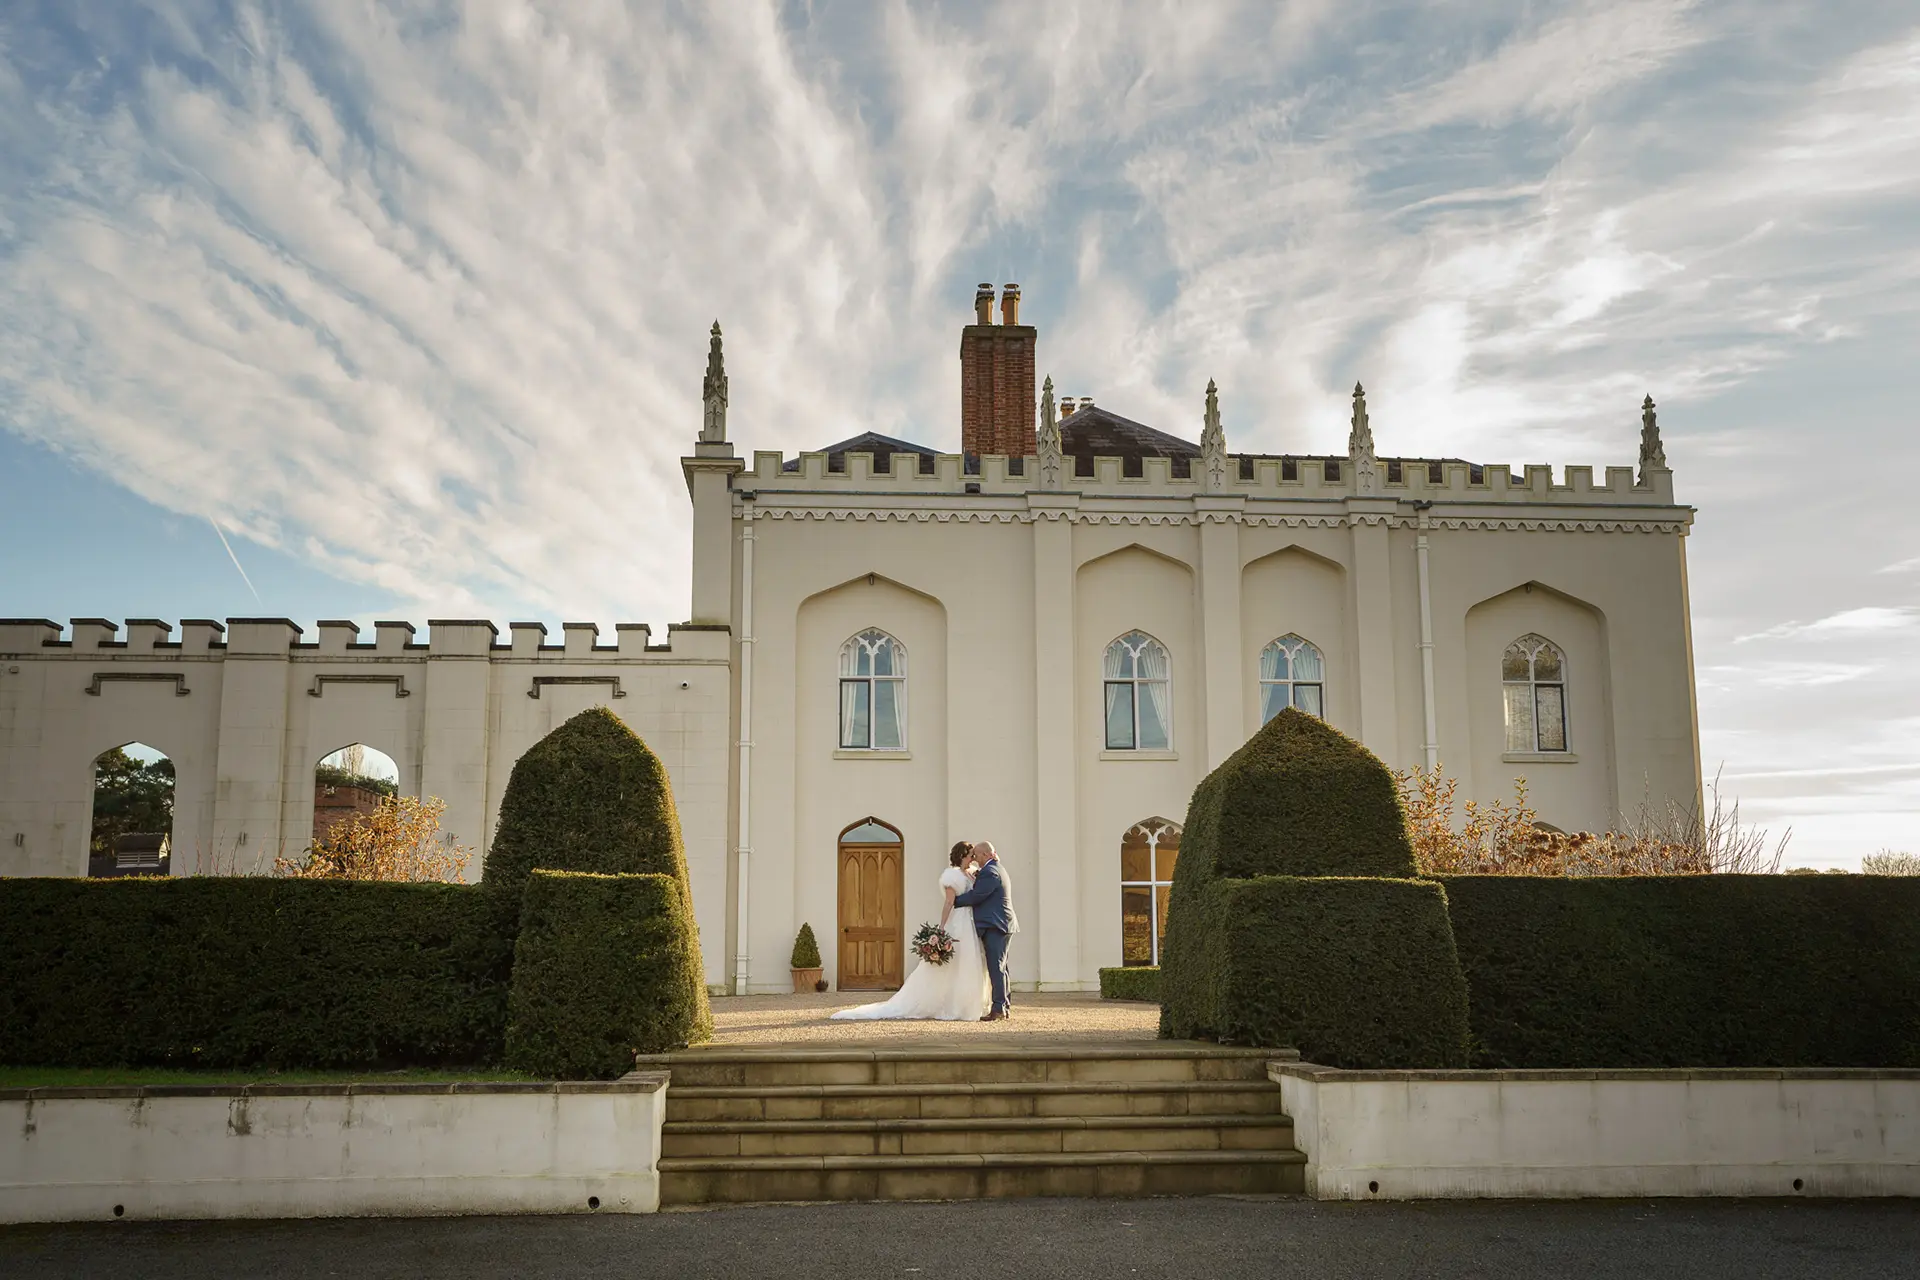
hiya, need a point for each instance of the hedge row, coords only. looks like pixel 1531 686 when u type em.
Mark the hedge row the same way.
pixel 248 972
pixel 601 972
pixel 1352 972
pixel 259 972
pixel 1691 971
pixel 1135 982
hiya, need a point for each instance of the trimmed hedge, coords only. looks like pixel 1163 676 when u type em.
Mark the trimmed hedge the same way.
pixel 1294 920
pixel 1691 971
pixel 248 972
pixel 1351 972
pixel 1299 798
pixel 604 968
pixel 591 797
pixel 1135 982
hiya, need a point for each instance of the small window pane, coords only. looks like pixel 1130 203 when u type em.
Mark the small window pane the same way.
pixel 1553 719
pixel 1134 862
pixel 883 659
pixel 1546 663
pixel 1165 855
pixel 871 833
pixel 854 729
pixel 1514 665
pixel 886 715
pixel 1306 663
pixel 1136 926
pixel 1307 698
pixel 1273 662
pixel 1153 725
pixel 1519 717
pixel 1162 894
pixel 1119 716
pixel 1273 697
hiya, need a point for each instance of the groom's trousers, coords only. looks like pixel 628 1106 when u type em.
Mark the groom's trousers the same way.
pixel 995 943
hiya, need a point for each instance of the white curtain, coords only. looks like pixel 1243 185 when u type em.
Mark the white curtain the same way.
pixel 1154 699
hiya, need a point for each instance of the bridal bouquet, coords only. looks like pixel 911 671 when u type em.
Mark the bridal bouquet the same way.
pixel 933 944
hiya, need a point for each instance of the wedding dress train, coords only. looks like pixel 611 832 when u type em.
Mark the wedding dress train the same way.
pixel 952 992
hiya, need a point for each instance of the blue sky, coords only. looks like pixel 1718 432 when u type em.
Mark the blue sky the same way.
pixel 412 298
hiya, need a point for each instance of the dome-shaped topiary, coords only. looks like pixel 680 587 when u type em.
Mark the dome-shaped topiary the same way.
pixel 1294 918
pixel 590 797
pixel 1299 798
pixel 806 949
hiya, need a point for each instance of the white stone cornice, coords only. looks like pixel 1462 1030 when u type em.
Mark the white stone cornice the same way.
pixel 1229 510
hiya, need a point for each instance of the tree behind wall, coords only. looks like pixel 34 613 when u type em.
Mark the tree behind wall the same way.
pixel 129 797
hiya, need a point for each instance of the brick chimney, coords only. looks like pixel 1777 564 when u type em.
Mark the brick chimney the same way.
pixel 997 378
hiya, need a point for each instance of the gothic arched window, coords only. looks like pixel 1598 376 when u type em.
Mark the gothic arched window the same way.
pixel 1533 675
pixel 873 693
pixel 1139 705
pixel 1291 675
pixel 1148 852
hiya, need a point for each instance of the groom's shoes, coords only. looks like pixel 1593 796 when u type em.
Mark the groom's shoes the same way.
pixel 993 1017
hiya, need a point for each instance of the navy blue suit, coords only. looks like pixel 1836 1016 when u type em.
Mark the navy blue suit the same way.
pixel 988 898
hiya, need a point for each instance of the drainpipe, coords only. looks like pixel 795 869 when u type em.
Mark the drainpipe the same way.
pixel 1431 745
pixel 743 852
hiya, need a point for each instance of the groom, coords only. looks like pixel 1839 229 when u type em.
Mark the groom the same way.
pixel 993 919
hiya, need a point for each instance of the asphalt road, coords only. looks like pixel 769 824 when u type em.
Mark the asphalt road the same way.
pixel 1217 1237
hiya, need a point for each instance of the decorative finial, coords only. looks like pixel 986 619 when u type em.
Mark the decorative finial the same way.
pixel 1653 454
pixel 713 430
pixel 1052 461
pixel 1366 471
pixel 1213 443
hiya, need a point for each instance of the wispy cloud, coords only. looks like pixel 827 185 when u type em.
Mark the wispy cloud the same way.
pixel 419 293
pixel 1866 620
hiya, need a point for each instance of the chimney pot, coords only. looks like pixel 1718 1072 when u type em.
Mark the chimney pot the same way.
pixel 1010 305
pixel 983 304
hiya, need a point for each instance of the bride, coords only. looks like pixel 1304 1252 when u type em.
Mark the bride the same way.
pixel 952 992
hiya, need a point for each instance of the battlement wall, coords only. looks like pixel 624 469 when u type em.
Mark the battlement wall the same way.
pixel 1261 476
pixel 330 639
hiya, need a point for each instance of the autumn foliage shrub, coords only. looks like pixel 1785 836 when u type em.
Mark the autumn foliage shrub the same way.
pixel 399 840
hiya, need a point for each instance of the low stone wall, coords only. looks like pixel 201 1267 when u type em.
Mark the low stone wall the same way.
pixel 1404 1135
pixel 304 1151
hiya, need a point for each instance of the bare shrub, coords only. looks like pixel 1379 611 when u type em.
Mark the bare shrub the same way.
pixel 1507 837
pixel 1891 862
pixel 399 840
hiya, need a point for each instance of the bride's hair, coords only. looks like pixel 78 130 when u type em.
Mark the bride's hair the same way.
pixel 961 852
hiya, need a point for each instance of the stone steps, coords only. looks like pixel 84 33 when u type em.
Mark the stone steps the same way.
pixel 752 1124
pixel 977 1136
pixel 955 1101
pixel 979 1177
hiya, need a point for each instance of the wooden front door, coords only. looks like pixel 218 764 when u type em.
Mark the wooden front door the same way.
pixel 873 940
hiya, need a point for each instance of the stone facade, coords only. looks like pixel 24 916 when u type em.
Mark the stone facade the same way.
pixel 1003 590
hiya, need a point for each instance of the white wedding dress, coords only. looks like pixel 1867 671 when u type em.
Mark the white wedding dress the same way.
pixel 952 992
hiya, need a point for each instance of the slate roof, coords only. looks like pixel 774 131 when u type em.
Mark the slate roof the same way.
pixel 881 447
pixel 1093 432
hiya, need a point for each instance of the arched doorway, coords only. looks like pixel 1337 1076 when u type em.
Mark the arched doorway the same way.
pixel 350 783
pixel 132 831
pixel 1148 853
pixel 873 941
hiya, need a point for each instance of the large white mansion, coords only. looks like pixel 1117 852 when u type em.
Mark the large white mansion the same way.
pixel 1046 638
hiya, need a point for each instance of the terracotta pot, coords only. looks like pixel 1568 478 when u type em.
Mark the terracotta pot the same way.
pixel 803 980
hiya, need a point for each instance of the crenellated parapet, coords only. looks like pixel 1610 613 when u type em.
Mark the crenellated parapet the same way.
pixel 333 640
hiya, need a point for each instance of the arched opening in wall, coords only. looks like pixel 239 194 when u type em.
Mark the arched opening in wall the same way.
pixel 1148 852
pixel 132 813
pixel 873 943
pixel 349 783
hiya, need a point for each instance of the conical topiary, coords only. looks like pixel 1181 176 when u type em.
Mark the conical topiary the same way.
pixel 591 797
pixel 1295 919
pixel 1299 798
pixel 806 949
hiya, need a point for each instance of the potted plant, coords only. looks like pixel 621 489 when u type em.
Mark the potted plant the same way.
pixel 806 962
